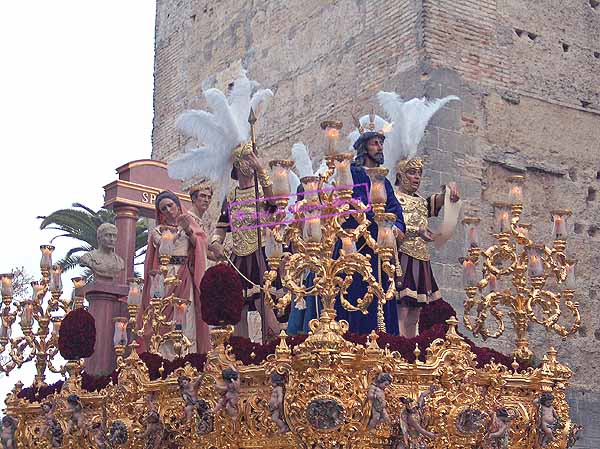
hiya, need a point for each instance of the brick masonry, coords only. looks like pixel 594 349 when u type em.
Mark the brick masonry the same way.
pixel 526 73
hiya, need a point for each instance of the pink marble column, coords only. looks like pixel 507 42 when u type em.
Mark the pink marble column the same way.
pixel 107 301
pixel 125 221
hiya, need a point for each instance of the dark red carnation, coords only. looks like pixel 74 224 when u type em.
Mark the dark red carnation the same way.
pixel 77 335
pixel 436 312
pixel 221 296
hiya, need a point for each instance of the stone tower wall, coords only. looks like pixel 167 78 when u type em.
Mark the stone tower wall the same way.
pixel 526 73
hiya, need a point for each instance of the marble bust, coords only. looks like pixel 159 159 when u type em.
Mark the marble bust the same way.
pixel 103 262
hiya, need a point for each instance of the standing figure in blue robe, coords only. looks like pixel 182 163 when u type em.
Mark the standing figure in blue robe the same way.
pixel 369 153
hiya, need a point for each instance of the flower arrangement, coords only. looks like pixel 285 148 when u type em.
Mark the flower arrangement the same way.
pixel 221 296
pixel 77 335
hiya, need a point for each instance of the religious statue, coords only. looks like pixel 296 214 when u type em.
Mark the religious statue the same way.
pixel 276 402
pixel 368 140
pixel 499 431
pixel 7 436
pixel 548 421
pixel 201 193
pixel 104 262
pixel 412 432
pixel 51 428
pixel 229 150
pixel 416 284
pixel 376 396
pixel 187 262
pixel 76 419
pixel 230 393
pixel 188 389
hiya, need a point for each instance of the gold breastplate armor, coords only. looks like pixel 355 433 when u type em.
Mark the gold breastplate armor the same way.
pixel 241 215
pixel 414 209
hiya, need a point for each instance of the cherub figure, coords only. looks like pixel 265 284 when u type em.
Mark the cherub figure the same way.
pixel 548 420
pixel 411 427
pixel 51 428
pixel 376 395
pixel 498 433
pixel 422 403
pixel 75 408
pixel 187 389
pixel 7 436
pixel 230 393
pixel 276 402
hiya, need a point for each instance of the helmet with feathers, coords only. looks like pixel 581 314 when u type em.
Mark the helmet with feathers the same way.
pixel 223 133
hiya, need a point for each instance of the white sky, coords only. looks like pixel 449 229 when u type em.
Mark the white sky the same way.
pixel 76 82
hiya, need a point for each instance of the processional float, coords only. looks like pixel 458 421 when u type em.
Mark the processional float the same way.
pixel 329 390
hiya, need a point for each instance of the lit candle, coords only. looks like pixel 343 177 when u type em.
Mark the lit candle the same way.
pixel 7 286
pixel 471 232
pixel 120 334
pixel 570 269
pixel 310 184
pixel 469 272
pixel 157 284
pixel 312 229
pixel 502 218
pixel 280 174
pixel 377 176
pixel 167 242
pixel 559 228
pixel 134 297
pixel 385 235
pixel 343 175
pixel 535 266
pixel 273 249
pixel 492 282
pixel 515 193
pixel 55 279
pixel 180 309
pixel 332 133
pixel 348 246
pixel 27 314
pixel 46 260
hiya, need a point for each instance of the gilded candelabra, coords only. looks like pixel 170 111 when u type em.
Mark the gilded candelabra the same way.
pixel 316 229
pixel 166 314
pixel 36 341
pixel 516 272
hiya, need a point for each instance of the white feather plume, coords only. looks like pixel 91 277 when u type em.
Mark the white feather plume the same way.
pixel 218 133
pixel 302 160
pixel 260 101
pixel 409 120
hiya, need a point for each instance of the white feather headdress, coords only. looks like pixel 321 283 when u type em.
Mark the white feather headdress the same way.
pixel 409 120
pixel 369 122
pixel 218 132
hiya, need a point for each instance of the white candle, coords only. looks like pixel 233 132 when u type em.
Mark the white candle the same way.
pixel 385 236
pixel 333 136
pixel 348 245
pixel 7 287
pixel 343 175
pixel 312 230
pixel 515 195
pixel 56 326
pixel 560 227
pixel 120 334
pixel 167 243
pixel 378 193
pixel 469 273
pixel 180 310
pixel 536 267
pixel 55 279
pixel 272 247
pixel 46 260
pixel 157 284
pixel 502 222
pixel 134 297
pixel 281 181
